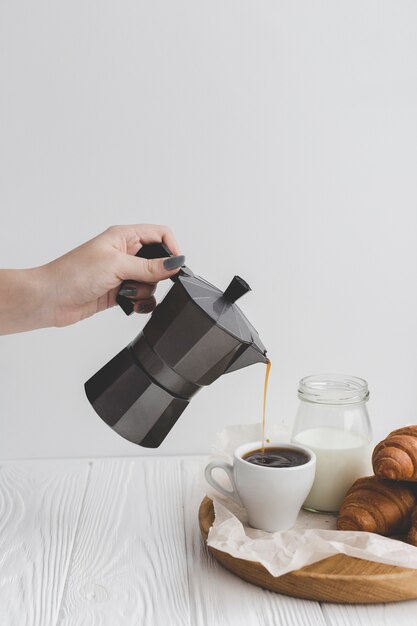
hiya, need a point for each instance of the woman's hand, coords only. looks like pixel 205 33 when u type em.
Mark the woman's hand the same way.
pixel 87 279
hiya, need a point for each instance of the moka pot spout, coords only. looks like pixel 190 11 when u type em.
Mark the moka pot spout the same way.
pixel 248 355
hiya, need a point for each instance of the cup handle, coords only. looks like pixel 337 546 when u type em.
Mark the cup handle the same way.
pixel 233 494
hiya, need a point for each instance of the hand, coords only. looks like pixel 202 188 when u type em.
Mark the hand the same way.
pixel 87 279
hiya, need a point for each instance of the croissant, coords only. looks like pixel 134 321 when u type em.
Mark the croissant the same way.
pixel 395 457
pixel 377 506
pixel 412 533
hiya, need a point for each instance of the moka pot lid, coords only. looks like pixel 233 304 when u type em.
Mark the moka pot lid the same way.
pixel 220 306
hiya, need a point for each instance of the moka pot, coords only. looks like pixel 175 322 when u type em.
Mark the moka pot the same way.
pixel 194 335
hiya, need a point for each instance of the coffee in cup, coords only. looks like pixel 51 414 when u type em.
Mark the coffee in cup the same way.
pixel 272 490
pixel 276 457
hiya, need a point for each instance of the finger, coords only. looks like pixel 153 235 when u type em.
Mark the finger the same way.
pixel 137 291
pixel 144 306
pixel 133 237
pixel 134 268
pixel 160 234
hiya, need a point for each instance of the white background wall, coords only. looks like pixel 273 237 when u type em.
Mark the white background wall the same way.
pixel 277 138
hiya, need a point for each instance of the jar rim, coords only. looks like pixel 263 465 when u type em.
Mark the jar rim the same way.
pixel 333 389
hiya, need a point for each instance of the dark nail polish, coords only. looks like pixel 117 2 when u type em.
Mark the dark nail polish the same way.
pixel 174 262
pixel 142 308
pixel 127 291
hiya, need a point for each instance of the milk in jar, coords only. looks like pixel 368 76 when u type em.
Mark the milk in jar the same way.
pixel 333 421
pixel 342 457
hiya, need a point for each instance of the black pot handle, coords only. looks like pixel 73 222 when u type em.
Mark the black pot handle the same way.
pixel 148 251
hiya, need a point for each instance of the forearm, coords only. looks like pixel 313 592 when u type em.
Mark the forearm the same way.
pixel 23 300
pixel 86 280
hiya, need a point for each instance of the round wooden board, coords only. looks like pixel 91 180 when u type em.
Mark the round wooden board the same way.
pixel 338 578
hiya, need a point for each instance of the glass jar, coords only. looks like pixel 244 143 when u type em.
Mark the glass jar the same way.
pixel 332 420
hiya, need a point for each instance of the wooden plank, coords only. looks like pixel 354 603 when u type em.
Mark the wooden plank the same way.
pixel 40 504
pixel 400 614
pixel 129 553
pixel 219 598
pixel 129 562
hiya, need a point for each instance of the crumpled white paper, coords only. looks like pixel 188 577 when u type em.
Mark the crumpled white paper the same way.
pixel 314 536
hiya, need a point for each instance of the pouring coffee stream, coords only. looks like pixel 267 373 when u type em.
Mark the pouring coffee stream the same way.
pixel 268 369
pixel 194 335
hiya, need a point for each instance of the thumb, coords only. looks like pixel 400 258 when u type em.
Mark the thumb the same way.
pixel 151 270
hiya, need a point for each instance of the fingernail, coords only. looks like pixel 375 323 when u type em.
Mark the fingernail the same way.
pixel 142 308
pixel 174 262
pixel 127 291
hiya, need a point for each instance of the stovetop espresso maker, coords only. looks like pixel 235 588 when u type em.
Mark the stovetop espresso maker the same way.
pixel 195 334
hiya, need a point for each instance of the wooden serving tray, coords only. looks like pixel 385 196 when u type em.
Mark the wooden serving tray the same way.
pixel 338 578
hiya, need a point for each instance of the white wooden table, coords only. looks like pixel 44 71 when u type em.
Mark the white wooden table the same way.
pixel 114 542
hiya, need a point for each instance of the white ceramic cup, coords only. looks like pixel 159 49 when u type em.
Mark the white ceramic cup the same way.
pixel 272 496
